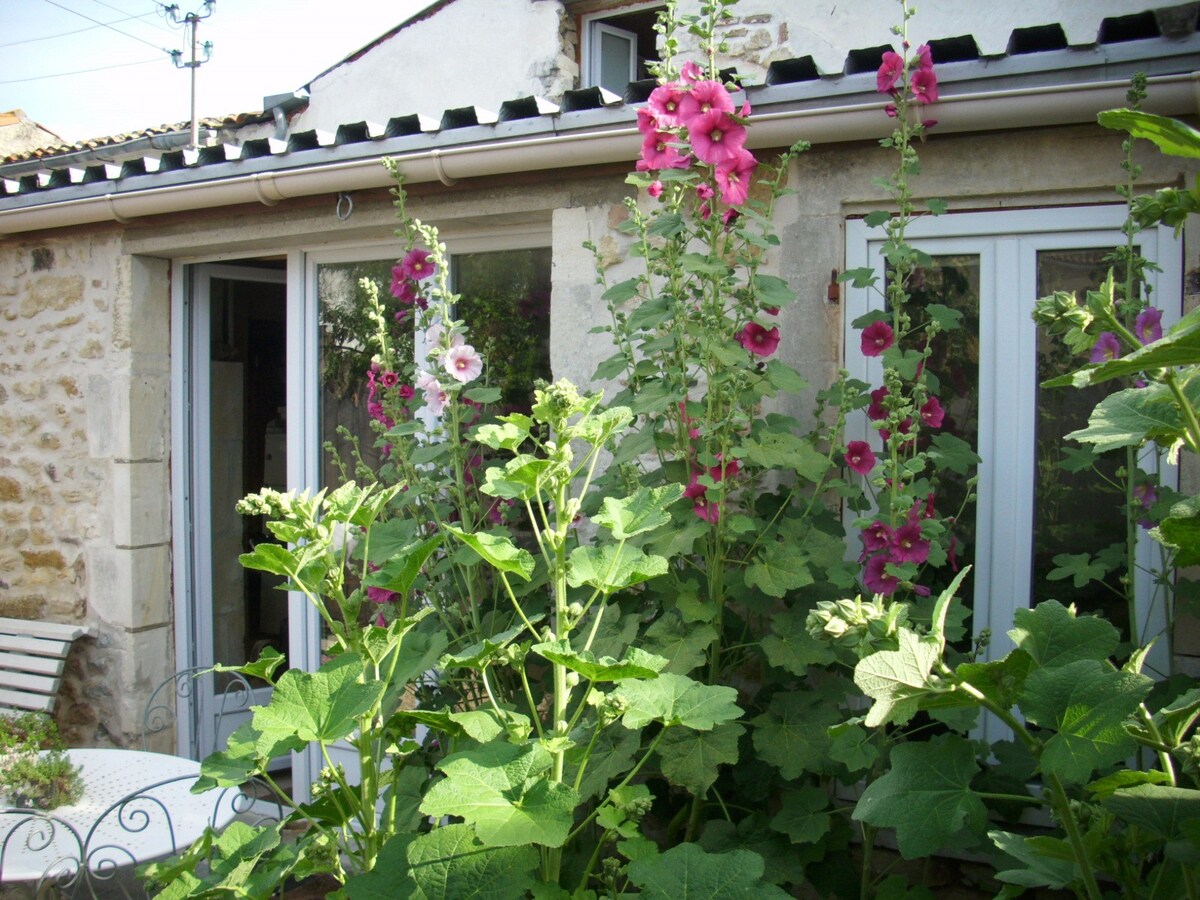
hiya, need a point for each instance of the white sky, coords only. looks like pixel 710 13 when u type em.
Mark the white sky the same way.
pixel 126 82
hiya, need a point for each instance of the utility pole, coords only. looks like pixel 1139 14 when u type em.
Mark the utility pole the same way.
pixel 191 21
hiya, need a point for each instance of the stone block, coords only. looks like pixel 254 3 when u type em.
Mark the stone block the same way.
pixel 141 498
pixel 130 588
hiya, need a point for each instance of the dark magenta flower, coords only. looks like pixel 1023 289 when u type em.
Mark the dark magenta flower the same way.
pixel 889 72
pixel 875 536
pixel 859 457
pixel 695 490
pixel 876 412
pixel 876 577
pixel 723 470
pixel 417 265
pixel 707 511
pixel 876 338
pixel 908 545
pixel 759 340
pixel 932 413
pixel 1106 348
pixel 655 190
pixel 925 86
pixel 1148 325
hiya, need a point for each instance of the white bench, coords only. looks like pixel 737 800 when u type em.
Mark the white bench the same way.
pixel 32 658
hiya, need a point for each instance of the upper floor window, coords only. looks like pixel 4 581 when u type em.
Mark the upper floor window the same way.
pixel 617 46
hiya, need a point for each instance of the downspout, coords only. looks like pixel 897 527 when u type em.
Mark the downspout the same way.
pixel 1027 107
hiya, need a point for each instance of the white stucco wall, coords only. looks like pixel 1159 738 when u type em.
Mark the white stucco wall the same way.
pixel 469 53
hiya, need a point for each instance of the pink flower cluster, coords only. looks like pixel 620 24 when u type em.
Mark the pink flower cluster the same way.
pixel 703 507
pixel 923 81
pixel 379 381
pixel 883 545
pixel 415 267
pixel 697 115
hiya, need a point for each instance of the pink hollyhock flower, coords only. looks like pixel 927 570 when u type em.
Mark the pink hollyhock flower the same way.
pixel 463 363
pixel 427 382
pixel 759 340
pixel 733 177
pixel 693 432
pixel 705 211
pixel 664 102
pixel 876 412
pixel 908 545
pixel 704 97
pixel 1106 347
pixel 690 72
pixel 401 316
pixel 876 577
pixel 405 290
pixel 707 511
pixel 705 191
pixel 655 190
pixel 876 338
pixel 890 109
pixel 875 536
pixel 889 72
pixel 659 152
pixel 924 86
pixel 902 429
pixel 859 457
pixel 380 595
pixel 729 217
pixel 716 138
pixel 406 392
pixel 723 470
pixel 932 413
pixel 924 57
pixel 398 280
pixel 1148 325
pixel 647 122
pixel 389 379
pixel 417 265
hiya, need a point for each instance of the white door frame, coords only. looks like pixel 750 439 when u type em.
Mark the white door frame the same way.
pixel 1007 241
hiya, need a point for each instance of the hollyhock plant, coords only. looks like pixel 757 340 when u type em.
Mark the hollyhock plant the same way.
pixel 733 178
pixel 723 470
pixel 1106 348
pixel 876 411
pixel 875 536
pixel 463 363
pixel 907 544
pixel 417 264
pixel 690 72
pixel 876 338
pixel 708 511
pixel 1148 325
pixel 655 190
pixel 659 151
pixel 715 137
pixel 859 457
pixel 759 340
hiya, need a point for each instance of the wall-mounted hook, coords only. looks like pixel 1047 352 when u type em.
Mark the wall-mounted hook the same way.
pixel 345 206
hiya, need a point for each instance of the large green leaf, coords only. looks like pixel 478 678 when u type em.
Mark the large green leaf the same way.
pixel 637 663
pixel 1171 136
pixel 506 793
pixel 686 872
pixel 1048 861
pixel 400 571
pixel 318 706
pixel 790 647
pixel 897 679
pixel 448 863
pixel 792 734
pixel 926 795
pixel 1130 417
pixel 784 450
pixel 803 815
pixel 1180 531
pixel 677 700
pixel 1086 703
pixel 780 568
pixel 1159 809
pixel 499 551
pixel 691 759
pixel 613 567
pixel 1053 635
pixel 683 643
pixel 643 511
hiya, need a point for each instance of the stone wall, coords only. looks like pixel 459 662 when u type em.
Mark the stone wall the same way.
pixel 83 467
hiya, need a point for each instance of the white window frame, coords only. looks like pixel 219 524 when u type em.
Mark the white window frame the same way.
pixel 1007 242
pixel 593 25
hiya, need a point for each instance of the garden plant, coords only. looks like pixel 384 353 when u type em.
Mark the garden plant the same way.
pixel 598 645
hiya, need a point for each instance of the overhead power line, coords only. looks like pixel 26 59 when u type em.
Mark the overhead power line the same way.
pixel 50 37
pixel 105 25
pixel 82 71
pixel 160 6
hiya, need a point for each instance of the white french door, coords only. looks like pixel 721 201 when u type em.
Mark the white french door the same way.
pixel 992 266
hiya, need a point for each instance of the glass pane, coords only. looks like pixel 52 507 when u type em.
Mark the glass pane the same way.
pixel 248 433
pixel 345 360
pixel 1075 512
pixel 505 301
pixel 616 52
pixel 953 377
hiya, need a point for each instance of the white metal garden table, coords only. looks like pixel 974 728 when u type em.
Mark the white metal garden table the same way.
pixel 136 807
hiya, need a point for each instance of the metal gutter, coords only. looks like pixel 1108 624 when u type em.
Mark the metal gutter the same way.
pixel 774 125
